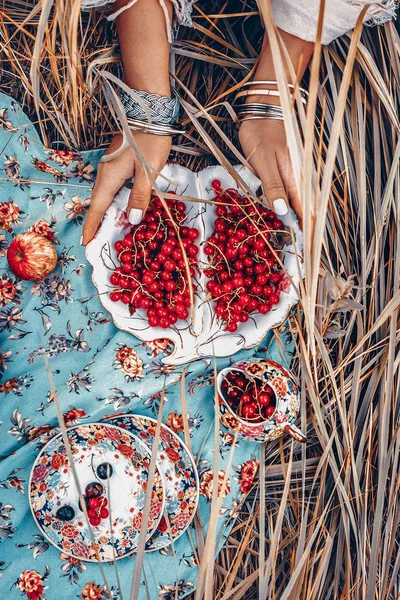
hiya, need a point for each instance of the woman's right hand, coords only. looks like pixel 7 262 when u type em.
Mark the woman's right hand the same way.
pixel 112 175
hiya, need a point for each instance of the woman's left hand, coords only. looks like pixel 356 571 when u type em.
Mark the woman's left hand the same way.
pixel 264 144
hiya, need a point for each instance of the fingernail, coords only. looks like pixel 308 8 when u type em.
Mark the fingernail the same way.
pixel 135 216
pixel 280 207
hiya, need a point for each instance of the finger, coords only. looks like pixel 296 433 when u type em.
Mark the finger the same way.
pixel 139 197
pixel 286 172
pixel 294 198
pixel 274 190
pixel 98 206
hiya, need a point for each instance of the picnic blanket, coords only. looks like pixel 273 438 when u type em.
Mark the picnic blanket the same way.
pixel 98 370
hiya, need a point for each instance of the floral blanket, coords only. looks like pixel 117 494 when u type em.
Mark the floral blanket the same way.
pixel 98 370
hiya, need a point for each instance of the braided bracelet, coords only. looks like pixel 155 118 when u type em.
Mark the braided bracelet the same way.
pixel 163 110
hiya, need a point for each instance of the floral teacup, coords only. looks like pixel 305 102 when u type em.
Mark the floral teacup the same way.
pixel 286 397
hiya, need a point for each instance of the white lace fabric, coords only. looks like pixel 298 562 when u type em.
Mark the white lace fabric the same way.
pixel 300 17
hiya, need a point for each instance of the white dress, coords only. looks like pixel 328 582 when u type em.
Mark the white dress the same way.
pixel 298 17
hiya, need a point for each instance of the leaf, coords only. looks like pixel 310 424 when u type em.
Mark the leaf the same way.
pixel 348 304
pixel 83 300
pixel 40 548
pixel 334 332
pixel 14 471
pixel 117 391
pixel 15 417
pixel 121 402
pixel 46 322
pixel 54 307
pixel 18 336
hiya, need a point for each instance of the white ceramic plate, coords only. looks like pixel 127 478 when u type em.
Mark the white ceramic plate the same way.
pixel 179 470
pixel 206 335
pixel 52 487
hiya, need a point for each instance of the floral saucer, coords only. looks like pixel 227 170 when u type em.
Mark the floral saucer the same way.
pixel 55 500
pixel 180 475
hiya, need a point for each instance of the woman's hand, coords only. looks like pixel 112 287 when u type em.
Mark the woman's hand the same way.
pixel 145 50
pixel 264 140
pixel 113 174
pixel 264 144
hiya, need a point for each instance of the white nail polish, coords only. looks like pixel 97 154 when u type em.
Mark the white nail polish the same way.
pixel 135 216
pixel 280 207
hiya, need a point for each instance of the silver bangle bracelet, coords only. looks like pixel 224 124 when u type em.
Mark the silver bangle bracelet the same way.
pixel 257 110
pixel 289 85
pixel 146 127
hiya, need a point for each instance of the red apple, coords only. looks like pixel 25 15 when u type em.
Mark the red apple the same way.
pixel 31 256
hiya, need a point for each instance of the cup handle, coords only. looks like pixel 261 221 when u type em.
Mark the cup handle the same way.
pixel 295 432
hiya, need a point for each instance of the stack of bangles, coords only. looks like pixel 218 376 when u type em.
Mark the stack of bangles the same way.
pixel 162 110
pixel 257 110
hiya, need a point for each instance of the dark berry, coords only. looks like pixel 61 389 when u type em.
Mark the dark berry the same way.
pixel 104 470
pixel 86 500
pixel 94 489
pixel 65 513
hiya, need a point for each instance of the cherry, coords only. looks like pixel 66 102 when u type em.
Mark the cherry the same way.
pixel 246 398
pixel 92 514
pixel 154 259
pixel 94 489
pixel 94 502
pixel 269 411
pixel 249 410
pixel 264 399
pixel 216 185
pixel 104 513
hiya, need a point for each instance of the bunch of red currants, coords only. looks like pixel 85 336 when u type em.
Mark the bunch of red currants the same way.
pixel 153 271
pixel 251 399
pixel 96 503
pixel 244 274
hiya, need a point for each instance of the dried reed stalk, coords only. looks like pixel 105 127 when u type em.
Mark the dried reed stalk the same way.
pixel 327 518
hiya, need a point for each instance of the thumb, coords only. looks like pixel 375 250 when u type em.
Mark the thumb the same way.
pixel 139 197
pixel 98 206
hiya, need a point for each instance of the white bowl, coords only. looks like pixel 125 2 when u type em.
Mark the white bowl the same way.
pixel 206 335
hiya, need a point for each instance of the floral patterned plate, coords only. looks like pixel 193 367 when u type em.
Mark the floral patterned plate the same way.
pixel 52 487
pixel 180 475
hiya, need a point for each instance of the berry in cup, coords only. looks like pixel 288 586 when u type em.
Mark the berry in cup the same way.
pixel 245 276
pixel 251 399
pixel 152 274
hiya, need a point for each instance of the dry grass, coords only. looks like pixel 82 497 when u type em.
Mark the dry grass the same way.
pixel 322 521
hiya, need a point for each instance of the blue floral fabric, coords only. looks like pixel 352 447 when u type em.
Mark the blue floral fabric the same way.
pixel 98 370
